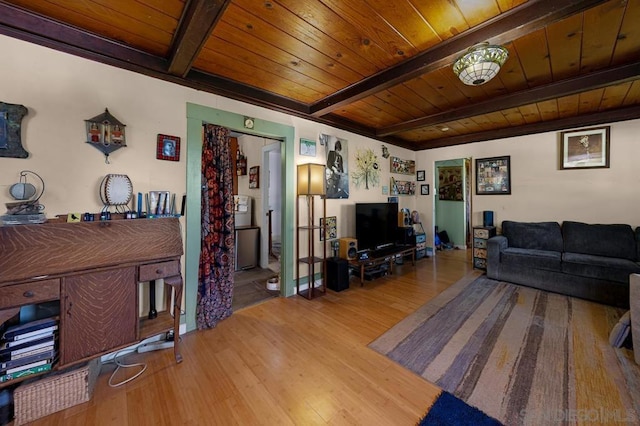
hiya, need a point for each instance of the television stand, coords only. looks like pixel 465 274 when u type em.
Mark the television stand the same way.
pixel 381 261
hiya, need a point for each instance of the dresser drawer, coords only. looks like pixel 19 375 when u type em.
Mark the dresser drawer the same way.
pixel 480 243
pixel 28 293
pixel 479 263
pixel 481 233
pixel 481 253
pixel 154 271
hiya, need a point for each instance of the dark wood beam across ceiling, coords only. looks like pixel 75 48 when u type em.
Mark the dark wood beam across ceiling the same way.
pixel 524 19
pixel 620 114
pixel 197 22
pixel 558 89
pixel 24 25
pixel 199 18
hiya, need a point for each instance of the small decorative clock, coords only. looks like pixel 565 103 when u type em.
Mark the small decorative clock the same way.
pixel 249 123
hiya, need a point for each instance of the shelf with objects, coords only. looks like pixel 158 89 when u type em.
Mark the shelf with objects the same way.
pixel 311 185
pixel 480 236
pixel 411 232
pixel 421 240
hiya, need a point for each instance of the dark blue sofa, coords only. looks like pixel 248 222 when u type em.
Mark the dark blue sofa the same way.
pixel 589 261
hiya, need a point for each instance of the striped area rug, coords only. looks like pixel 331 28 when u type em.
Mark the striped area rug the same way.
pixel 521 355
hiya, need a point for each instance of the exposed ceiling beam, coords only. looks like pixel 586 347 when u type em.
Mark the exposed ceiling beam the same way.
pixel 242 92
pixel 21 24
pixel 610 116
pixel 595 80
pixel 521 20
pixel 351 126
pixel 24 25
pixel 196 24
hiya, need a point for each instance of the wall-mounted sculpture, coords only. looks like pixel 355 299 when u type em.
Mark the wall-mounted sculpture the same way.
pixel 10 135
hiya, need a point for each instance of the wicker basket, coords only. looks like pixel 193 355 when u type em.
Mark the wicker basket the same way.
pixel 55 392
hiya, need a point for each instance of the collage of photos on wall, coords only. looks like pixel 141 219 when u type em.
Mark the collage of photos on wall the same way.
pixel 493 175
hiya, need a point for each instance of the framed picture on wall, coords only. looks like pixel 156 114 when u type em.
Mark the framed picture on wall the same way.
pixel 493 176
pixel 307 147
pixel 450 183
pixel 424 189
pixel 585 148
pixel 420 175
pixel 168 148
pixel 330 226
pixel 254 177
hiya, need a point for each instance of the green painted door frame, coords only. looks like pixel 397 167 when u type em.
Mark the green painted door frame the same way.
pixel 197 115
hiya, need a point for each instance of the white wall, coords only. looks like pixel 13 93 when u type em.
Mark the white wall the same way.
pixel 61 91
pixel 542 192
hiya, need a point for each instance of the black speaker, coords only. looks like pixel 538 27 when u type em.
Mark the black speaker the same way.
pixel 487 218
pixel 406 236
pixel 337 274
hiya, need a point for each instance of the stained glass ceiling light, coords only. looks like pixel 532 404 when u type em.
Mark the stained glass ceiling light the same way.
pixel 480 64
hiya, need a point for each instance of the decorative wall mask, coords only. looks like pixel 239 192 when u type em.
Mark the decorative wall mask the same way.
pixel 10 138
pixel 105 133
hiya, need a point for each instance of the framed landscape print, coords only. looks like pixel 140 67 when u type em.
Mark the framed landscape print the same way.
pixel 585 148
pixel 493 176
pixel 307 147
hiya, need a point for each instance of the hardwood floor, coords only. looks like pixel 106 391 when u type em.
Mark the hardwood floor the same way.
pixel 288 361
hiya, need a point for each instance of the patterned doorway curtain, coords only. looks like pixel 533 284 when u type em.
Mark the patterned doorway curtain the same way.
pixel 217 252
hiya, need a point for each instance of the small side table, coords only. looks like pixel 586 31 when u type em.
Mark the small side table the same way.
pixel 480 236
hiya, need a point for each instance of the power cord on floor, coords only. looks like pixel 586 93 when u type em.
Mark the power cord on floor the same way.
pixel 119 364
pixel 143 366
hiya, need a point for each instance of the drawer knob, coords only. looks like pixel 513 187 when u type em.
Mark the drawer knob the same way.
pixel 158 271
pixel 28 293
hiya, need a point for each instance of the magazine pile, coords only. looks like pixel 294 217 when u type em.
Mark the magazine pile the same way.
pixel 28 348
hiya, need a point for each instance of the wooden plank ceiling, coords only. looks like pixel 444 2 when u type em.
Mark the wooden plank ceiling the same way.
pixel 379 68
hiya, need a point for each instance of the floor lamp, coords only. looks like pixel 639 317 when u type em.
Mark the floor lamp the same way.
pixel 310 183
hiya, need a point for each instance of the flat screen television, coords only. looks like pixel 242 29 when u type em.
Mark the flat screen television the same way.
pixel 376 225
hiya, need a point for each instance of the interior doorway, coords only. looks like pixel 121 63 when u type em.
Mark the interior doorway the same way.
pixel 196 116
pixel 452 205
pixel 271 207
pixel 261 202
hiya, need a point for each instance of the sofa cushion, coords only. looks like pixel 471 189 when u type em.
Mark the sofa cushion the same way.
pixel 533 235
pixel 613 240
pixel 528 258
pixel 600 267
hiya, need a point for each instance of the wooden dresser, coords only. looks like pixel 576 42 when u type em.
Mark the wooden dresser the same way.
pixel 93 270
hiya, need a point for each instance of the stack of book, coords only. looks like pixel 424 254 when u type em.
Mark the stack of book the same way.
pixel 28 348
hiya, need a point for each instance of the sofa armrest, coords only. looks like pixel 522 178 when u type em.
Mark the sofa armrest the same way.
pixel 495 245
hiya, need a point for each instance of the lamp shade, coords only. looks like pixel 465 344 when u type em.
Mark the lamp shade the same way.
pixel 480 64
pixel 311 179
